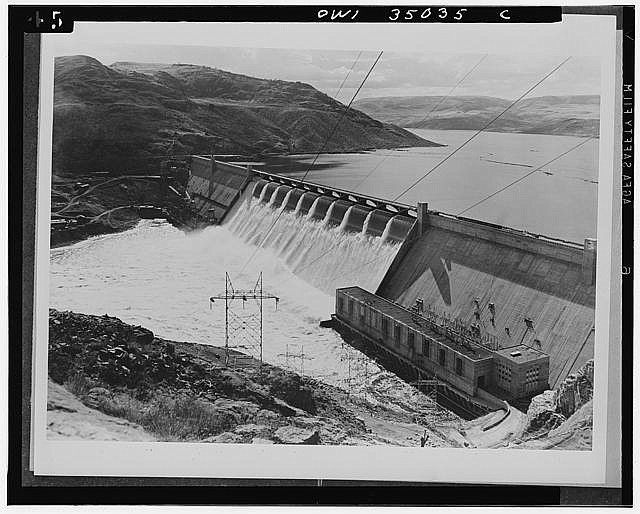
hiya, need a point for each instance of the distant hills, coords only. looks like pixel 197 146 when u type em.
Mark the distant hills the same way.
pixel 556 115
pixel 121 116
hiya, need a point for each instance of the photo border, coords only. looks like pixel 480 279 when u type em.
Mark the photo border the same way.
pixel 46 213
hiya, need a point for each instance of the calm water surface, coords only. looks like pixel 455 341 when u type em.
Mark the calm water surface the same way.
pixel 560 203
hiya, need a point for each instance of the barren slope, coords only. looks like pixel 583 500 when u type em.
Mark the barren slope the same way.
pixel 119 118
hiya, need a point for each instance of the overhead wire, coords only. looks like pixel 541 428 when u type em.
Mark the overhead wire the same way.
pixel 331 134
pixel 442 99
pixel 525 176
pixel 476 134
pixel 344 80
pixel 344 112
pixel 460 147
pixel 414 238
pixel 450 155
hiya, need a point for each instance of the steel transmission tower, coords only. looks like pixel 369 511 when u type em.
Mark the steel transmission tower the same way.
pixel 243 329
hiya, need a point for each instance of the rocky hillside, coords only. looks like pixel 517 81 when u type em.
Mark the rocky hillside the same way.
pixel 120 117
pixel 557 115
pixel 561 418
pixel 111 380
pixel 114 381
pixel 69 418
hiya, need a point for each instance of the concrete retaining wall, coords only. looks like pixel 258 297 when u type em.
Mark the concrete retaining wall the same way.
pixel 215 186
pixel 511 238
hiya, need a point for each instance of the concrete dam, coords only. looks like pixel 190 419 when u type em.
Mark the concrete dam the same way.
pixel 487 297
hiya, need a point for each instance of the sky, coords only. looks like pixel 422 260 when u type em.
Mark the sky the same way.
pixel 396 73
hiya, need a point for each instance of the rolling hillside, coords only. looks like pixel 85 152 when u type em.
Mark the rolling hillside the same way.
pixel 120 117
pixel 556 115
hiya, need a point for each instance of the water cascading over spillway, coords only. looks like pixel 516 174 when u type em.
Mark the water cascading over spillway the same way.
pixel 320 238
pixel 355 218
pixel 291 200
pixel 307 200
pixel 397 229
pixel 279 196
pixel 376 222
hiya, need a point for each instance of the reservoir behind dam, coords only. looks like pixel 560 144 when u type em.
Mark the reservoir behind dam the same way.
pixel 567 192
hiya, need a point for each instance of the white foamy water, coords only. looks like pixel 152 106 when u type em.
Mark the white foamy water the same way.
pixel 326 257
pixel 159 277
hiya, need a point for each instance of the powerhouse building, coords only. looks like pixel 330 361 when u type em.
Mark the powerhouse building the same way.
pixel 444 349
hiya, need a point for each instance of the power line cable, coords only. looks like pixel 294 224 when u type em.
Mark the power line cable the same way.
pixel 347 76
pixel 344 80
pixel 331 134
pixel 385 157
pixel 446 158
pixel 525 176
pixel 406 190
pixel 335 127
pixel 336 276
pixel 442 99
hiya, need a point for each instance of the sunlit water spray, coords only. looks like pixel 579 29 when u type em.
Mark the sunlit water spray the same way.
pixel 159 277
pixel 325 256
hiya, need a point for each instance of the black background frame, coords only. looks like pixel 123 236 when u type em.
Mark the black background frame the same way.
pixel 23 487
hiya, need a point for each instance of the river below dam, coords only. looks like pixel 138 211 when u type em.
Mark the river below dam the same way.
pixel 159 277
pixel 559 201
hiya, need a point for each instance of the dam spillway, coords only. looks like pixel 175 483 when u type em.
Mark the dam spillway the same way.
pixel 542 291
pixel 305 203
pixel 279 195
pixel 320 207
pixel 376 222
pixel 355 218
pixel 316 248
pixel 337 212
pixel 292 199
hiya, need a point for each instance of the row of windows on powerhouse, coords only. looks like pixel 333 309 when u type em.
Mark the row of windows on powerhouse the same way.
pixel 504 374
pixel 426 349
pixel 384 321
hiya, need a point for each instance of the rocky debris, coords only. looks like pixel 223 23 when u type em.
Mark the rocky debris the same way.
pixel 576 433
pixel 265 416
pixel 125 371
pixel 292 390
pixel 59 399
pixel 183 392
pixel 576 390
pixel 96 396
pixel 225 437
pixel 295 435
pixel 239 411
pixel 542 412
pixel 549 411
pixel 68 418
pixel 143 335
pixel 252 430
pixel 108 350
